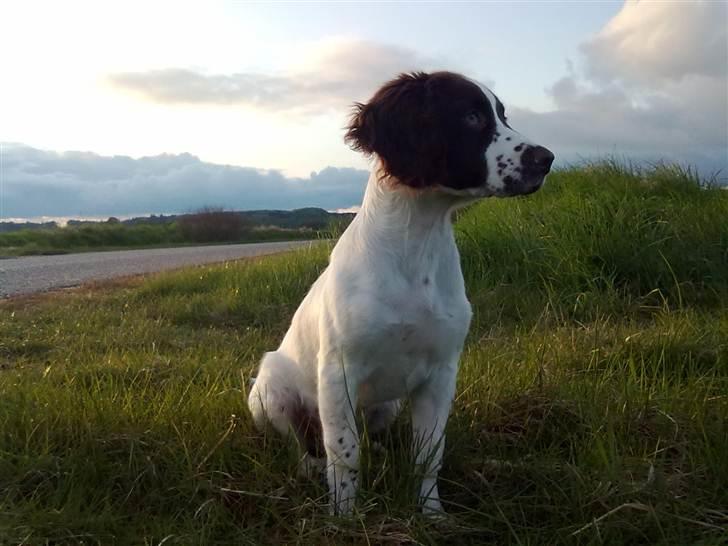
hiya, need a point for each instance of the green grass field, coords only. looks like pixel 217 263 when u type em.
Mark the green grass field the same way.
pixel 592 404
pixel 102 236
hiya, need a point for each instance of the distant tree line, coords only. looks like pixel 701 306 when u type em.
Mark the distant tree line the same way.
pixel 311 218
pixel 206 225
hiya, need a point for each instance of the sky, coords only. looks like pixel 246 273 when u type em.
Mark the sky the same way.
pixel 135 108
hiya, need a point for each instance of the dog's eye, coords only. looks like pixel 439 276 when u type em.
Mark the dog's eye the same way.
pixel 474 119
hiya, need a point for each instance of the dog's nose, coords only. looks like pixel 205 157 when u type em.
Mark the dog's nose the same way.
pixel 537 160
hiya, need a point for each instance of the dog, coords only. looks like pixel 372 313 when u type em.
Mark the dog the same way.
pixel 386 321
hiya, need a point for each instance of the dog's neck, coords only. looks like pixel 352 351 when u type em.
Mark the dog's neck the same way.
pixel 412 225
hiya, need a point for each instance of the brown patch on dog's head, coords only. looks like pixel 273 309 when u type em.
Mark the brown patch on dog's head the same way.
pixel 415 125
pixel 397 125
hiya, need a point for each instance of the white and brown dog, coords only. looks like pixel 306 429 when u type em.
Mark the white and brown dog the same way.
pixel 386 321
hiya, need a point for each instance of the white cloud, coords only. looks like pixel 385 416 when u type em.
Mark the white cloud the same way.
pixel 37 183
pixel 661 40
pixel 653 87
pixel 332 75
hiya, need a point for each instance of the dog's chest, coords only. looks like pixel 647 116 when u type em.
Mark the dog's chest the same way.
pixel 422 325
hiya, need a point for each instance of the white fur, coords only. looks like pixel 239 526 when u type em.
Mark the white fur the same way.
pixel 385 322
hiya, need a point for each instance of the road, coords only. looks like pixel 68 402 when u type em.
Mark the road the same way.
pixel 29 274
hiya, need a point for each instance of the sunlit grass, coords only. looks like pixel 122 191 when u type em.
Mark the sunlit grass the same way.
pixel 592 402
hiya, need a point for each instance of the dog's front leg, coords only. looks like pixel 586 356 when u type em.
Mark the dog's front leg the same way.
pixel 431 404
pixel 337 403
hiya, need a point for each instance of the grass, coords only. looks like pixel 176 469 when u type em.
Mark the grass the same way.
pixel 101 236
pixel 592 404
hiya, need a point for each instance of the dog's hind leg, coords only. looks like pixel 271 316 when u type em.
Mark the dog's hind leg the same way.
pixel 274 396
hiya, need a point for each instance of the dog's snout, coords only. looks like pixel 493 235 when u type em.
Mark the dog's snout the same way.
pixel 537 160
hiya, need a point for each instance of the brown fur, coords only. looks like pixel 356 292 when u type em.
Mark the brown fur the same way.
pixel 414 124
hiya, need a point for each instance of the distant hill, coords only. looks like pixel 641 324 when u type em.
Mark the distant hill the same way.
pixel 310 217
pixel 313 218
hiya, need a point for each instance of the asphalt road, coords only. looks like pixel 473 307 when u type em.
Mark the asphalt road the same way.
pixel 29 274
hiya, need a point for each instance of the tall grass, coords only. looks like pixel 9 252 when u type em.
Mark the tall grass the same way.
pixel 603 238
pixel 591 404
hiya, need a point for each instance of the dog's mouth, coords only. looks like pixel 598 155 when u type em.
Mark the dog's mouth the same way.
pixel 524 185
pixel 531 184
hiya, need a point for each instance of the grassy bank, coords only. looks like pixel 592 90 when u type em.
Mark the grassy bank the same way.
pixel 592 403
pixel 95 237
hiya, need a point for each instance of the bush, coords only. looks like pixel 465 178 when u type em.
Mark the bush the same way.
pixel 211 224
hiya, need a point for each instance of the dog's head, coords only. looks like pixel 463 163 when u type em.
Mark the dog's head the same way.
pixel 444 131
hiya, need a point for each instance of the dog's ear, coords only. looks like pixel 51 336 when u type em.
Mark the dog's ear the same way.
pixel 398 124
pixel 359 133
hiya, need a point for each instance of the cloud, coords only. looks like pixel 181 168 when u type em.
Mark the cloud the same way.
pixel 661 40
pixel 38 183
pixel 652 84
pixel 653 87
pixel 335 74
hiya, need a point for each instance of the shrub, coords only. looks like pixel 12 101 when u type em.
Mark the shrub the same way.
pixel 210 224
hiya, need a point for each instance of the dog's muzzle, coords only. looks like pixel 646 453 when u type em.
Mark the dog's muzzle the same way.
pixel 536 163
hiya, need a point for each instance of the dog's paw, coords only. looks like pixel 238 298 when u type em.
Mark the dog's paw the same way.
pixel 344 508
pixel 312 468
pixel 432 508
pixel 342 498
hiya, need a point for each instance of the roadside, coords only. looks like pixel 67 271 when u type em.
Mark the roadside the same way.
pixel 7 252
pixel 32 274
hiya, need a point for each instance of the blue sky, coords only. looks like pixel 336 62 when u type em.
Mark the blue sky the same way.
pixel 261 91
pixel 487 40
